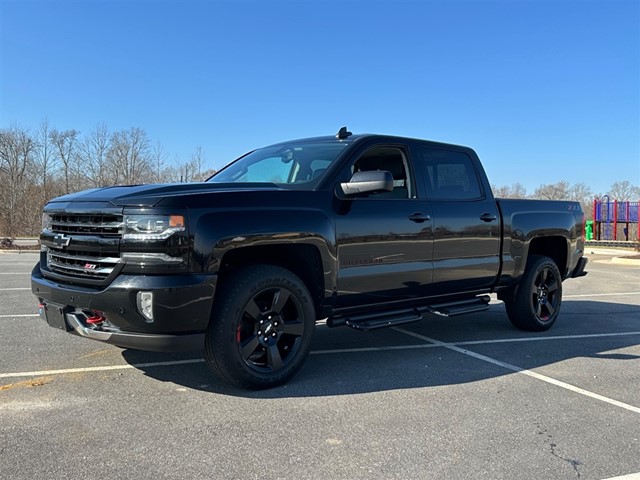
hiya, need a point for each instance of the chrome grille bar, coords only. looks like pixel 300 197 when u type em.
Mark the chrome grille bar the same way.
pixel 106 225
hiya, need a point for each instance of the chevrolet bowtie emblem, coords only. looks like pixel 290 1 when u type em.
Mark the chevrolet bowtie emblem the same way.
pixel 60 240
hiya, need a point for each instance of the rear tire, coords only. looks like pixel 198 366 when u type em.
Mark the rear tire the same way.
pixel 261 327
pixel 535 304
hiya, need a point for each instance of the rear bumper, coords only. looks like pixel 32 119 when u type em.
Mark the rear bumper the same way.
pixel 181 305
pixel 579 271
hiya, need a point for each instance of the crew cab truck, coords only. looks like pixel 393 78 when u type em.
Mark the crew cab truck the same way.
pixel 366 231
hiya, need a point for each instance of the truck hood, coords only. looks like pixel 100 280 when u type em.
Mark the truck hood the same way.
pixel 151 195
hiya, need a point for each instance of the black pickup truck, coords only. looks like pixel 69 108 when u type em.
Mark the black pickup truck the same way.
pixel 366 231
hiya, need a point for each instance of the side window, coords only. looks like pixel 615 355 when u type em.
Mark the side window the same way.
pixel 391 159
pixel 449 175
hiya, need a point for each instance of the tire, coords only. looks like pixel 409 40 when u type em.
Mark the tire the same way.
pixel 535 304
pixel 261 327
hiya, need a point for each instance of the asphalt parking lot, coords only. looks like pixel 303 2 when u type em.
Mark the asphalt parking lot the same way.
pixel 468 397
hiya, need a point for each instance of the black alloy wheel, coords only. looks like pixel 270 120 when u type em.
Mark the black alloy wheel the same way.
pixel 261 327
pixel 536 303
pixel 270 330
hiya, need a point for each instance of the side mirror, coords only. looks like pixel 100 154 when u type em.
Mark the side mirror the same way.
pixel 370 181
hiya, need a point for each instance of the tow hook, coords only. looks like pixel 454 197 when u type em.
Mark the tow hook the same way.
pixel 96 319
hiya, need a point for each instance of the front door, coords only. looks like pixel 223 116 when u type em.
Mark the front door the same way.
pixel 384 240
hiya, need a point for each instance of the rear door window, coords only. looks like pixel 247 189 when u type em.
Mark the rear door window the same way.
pixel 449 175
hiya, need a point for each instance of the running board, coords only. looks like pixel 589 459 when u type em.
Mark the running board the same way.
pixel 378 320
pixel 390 318
pixel 453 309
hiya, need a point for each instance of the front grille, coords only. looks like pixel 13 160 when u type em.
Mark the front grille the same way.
pixel 83 247
pixel 78 264
pixel 87 224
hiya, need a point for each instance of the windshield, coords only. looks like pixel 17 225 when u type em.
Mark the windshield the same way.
pixel 300 165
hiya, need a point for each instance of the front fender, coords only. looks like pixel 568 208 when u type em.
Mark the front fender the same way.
pixel 219 232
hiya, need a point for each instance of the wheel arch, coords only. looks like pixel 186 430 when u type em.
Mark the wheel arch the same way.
pixel 554 247
pixel 303 260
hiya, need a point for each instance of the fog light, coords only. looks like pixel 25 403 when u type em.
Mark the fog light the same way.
pixel 145 305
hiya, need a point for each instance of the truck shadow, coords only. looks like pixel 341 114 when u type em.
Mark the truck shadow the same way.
pixel 345 362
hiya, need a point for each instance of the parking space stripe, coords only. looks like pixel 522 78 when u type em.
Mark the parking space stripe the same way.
pixel 589 295
pixel 20 316
pixel 432 344
pixel 529 373
pixel 15 288
pixel 631 476
pixel 539 339
pixel 100 369
pixel 472 342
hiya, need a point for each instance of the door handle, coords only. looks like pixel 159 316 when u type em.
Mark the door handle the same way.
pixel 487 217
pixel 419 217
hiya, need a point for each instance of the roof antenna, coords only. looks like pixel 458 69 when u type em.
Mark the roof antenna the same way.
pixel 343 133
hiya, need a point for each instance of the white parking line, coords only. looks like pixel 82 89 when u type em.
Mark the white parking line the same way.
pixel 589 295
pixel 471 342
pixel 41 373
pixel 631 476
pixel 15 288
pixel 20 316
pixel 433 344
pixel 514 368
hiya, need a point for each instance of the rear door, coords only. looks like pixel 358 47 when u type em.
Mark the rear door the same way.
pixel 466 221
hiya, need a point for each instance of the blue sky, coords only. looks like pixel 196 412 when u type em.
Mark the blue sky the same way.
pixel 543 90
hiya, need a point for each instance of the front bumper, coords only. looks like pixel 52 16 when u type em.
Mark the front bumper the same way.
pixel 181 304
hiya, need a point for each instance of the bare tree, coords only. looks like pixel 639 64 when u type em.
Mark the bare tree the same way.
pixel 65 145
pixel 624 191
pixel 43 182
pixel 581 192
pixel 130 156
pixel 517 190
pixel 159 160
pixel 45 156
pixel 194 169
pixel 554 191
pixel 93 152
pixel 198 162
pixel 16 151
pixel 207 173
pixel 172 173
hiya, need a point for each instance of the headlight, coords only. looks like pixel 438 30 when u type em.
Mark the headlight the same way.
pixel 46 221
pixel 152 227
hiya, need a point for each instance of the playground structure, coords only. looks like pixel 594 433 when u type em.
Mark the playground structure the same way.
pixel 614 221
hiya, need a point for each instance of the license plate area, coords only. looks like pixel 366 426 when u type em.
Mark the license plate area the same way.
pixel 54 314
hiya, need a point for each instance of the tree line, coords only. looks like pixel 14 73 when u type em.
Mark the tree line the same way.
pixel 38 165
pixel 622 191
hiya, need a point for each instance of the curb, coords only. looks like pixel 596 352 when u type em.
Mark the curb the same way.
pixel 626 261
pixel 19 251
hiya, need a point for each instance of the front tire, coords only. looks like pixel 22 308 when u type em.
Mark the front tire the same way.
pixel 535 305
pixel 261 327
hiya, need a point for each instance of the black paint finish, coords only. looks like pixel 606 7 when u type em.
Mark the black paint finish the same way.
pixel 440 235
